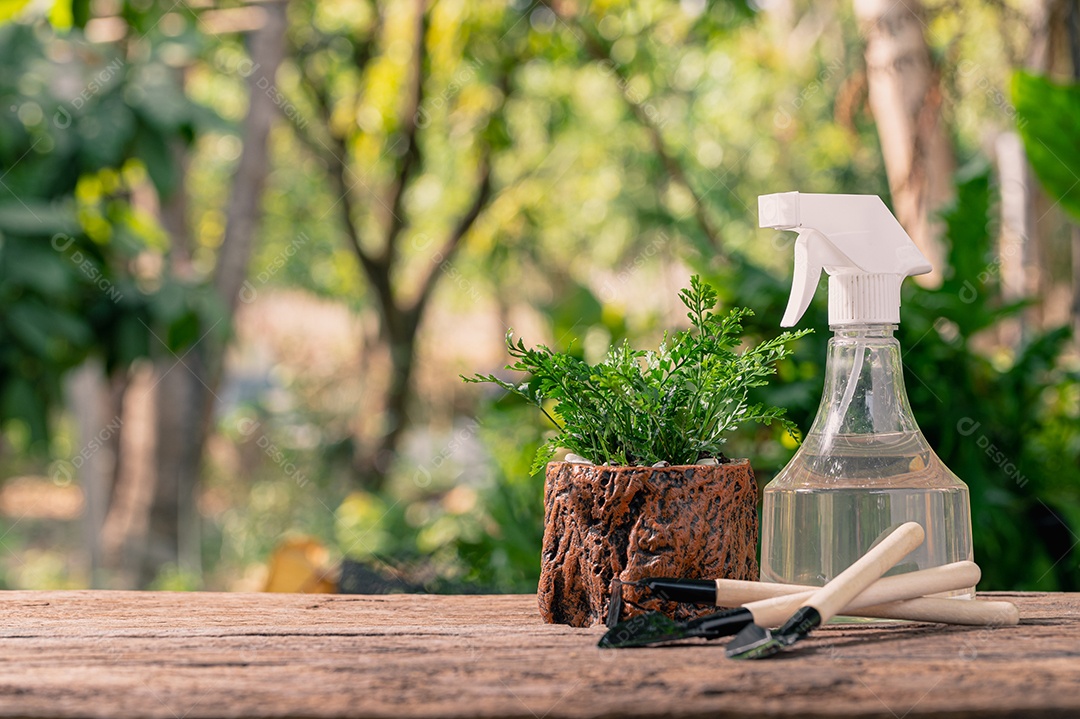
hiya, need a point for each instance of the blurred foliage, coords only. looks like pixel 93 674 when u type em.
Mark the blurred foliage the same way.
pixel 1046 118
pixel 988 418
pixel 583 238
pixel 85 131
pixel 509 513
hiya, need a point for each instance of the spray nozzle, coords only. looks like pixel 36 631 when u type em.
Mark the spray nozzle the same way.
pixel 857 241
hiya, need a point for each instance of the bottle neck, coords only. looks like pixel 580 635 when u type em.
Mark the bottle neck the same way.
pixel 864 390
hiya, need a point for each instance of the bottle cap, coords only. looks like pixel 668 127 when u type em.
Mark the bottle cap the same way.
pixel 857 241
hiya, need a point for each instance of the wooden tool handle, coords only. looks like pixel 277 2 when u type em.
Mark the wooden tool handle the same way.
pixel 866 570
pixel 947 577
pixel 773 612
pixel 958 575
pixel 737 592
pixel 919 609
pixel 948 611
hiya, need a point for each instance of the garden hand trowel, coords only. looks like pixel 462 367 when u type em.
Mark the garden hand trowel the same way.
pixel 754 642
pixel 768 604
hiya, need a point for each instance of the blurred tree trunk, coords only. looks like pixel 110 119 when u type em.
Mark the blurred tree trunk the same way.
pixel 1037 272
pixel 905 98
pixel 401 310
pixel 96 402
pixel 1021 263
pixel 126 523
pixel 172 516
pixel 1073 30
pixel 1032 267
pixel 1015 248
pixel 186 387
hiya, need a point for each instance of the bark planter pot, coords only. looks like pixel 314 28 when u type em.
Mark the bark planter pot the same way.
pixel 600 523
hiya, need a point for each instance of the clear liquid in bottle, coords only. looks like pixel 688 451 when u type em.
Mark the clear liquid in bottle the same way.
pixel 863 468
pixel 820 527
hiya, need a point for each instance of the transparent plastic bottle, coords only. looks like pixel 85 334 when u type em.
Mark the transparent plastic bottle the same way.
pixel 863 467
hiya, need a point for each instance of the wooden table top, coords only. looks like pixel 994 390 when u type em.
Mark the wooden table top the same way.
pixel 172 655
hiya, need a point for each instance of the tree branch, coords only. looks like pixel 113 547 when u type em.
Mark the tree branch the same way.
pixel 318 98
pixel 599 52
pixel 314 144
pixel 336 154
pixel 412 159
pixel 363 52
pixel 244 209
pixel 453 242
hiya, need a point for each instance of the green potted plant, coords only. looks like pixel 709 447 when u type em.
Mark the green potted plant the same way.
pixel 646 489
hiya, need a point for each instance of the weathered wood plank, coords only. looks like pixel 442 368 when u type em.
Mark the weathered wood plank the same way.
pixel 119 654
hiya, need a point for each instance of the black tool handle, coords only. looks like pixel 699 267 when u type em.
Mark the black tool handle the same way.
pixel 692 591
pixel 719 624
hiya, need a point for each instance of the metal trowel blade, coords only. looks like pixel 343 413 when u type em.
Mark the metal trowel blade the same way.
pixel 642 630
pixel 655 628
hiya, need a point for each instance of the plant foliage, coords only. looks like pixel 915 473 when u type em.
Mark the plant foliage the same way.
pixel 91 125
pixel 1046 119
pixel 675 404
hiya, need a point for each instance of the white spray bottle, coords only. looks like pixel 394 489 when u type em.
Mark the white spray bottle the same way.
pixel 864 466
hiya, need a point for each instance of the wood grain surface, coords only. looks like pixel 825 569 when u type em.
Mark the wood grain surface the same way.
pixel 121 654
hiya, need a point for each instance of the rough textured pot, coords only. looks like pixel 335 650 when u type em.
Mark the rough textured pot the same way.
pixel 634 522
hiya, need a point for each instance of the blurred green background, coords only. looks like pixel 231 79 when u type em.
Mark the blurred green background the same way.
pixel 246 249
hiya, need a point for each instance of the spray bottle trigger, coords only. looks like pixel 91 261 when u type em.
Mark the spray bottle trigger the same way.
pixel 804 281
